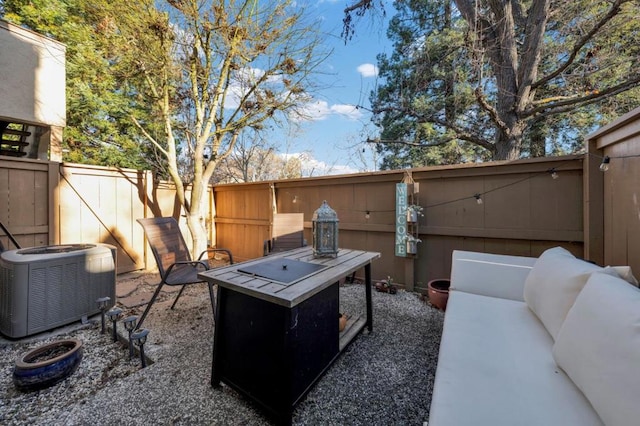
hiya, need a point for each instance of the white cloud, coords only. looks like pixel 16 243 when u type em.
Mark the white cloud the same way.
pixel 368 70
pixel 314 111
pixel 342 170
pixel 313 167
pixel 349 111
pixel 234 94
pixel 243 80
pixel 320 110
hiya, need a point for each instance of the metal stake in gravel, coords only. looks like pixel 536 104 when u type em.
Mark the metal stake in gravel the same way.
pixel 140 337
pixel 114 316
pixel 102 305
pixel 130 325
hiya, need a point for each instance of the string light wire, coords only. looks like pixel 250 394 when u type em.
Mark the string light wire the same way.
pixel 478 196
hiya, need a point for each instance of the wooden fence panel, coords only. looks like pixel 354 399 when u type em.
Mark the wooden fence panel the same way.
pixel 243 218
pixel 524 211
pixel 612 207
pixel 99 204
pixel 622 206
pixel 25 191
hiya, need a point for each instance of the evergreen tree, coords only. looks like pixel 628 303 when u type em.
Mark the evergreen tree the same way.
pixel 508 78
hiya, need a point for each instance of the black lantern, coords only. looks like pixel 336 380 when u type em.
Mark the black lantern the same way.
pixel 325 232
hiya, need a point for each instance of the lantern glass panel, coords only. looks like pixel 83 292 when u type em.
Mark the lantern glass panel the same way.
pixel 325 232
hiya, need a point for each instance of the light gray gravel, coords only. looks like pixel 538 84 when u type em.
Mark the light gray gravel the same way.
pixel 382 378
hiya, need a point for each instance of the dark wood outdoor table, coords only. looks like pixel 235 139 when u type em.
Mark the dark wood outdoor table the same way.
pixel 276 324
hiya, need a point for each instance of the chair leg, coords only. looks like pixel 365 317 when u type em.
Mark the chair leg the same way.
pixel 178 296
pixel 153 299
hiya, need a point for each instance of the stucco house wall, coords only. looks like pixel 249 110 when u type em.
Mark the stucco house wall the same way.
pixel 32 70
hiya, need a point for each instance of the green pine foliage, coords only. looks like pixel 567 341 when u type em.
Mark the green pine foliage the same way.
pixel 475 80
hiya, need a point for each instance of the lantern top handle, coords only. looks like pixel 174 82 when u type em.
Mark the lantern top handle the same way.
pixel 325 213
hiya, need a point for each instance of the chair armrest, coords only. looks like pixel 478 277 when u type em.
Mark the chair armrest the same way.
pixel 217 250
pixel 194 263
pixel 492 275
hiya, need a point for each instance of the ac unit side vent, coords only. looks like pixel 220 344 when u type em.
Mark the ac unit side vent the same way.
pixel 6 296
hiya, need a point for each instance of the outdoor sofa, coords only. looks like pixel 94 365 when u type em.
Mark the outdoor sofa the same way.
pixel 547 341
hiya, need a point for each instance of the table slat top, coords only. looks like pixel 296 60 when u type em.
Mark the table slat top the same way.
pixel 289 294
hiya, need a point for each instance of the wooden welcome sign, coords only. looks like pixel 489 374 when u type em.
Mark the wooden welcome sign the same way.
pixel 401 219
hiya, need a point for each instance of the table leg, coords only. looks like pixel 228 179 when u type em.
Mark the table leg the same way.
pixel 367 281
pixel 215 376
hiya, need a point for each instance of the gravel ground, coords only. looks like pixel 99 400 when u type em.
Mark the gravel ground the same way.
pixel 382 378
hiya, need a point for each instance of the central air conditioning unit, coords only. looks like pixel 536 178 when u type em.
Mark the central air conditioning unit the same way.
pixel 46 287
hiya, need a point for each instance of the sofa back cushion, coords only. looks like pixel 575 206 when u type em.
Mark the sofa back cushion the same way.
pixel 553 285
pixel 488 274
pixel 598 347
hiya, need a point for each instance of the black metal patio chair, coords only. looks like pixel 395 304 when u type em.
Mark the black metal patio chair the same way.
pixel 174 260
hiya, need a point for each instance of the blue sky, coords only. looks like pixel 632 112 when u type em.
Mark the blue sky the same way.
pixel 336 134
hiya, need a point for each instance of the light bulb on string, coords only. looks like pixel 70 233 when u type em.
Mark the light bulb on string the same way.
pixel 478 198
pixel 604 166
pixel 554 174
pixel 367 215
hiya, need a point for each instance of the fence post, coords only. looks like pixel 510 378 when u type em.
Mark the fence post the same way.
pixel 54 201
pixel 593 204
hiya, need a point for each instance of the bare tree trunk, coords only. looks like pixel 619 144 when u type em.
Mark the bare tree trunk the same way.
pixel 198 230
pixel 514 73
pixel 195 220
pixel 509 142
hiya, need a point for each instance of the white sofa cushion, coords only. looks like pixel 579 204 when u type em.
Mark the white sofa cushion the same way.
pixel 599 348
pixel 553 285
pixel 492 275
pixel 623 272
pixel 495 368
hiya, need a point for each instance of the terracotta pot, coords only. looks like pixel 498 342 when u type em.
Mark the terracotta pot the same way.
pixel 342 321
pixel 438 291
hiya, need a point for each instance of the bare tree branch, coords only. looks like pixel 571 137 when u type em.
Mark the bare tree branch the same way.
pixel 480 97
pixel 148 136
pixel 362 4
pixel 613 11
pixel 565 104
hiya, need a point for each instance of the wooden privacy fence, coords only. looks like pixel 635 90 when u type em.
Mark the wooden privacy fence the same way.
pixel 100 204
pixel 524 211
pixel 44 203
pixel 612 208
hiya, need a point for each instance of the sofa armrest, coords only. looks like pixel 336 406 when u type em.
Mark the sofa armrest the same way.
pixel 492 275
